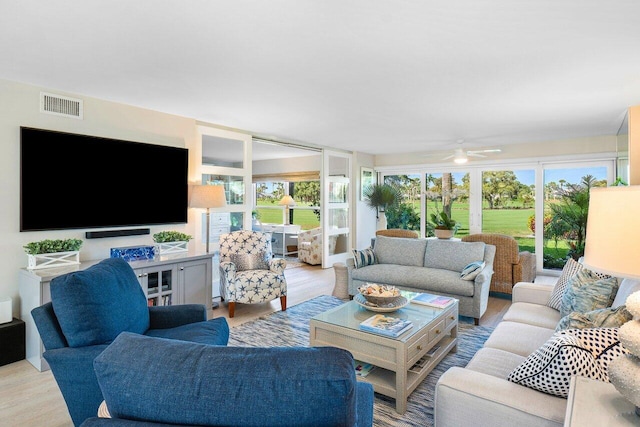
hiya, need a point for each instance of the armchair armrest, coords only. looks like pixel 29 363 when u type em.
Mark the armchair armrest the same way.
pixel 277 265
pixel 171 316
pixel 528 266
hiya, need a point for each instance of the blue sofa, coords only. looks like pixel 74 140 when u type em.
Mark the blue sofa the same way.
pixel 153 381
pixel 89 309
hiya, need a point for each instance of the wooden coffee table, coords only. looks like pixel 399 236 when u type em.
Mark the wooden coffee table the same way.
pixel 400 363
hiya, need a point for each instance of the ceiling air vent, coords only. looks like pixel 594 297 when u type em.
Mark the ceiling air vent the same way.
pixel 60 105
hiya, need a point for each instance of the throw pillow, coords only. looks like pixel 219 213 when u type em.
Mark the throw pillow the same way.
pixel 256 261
pixel 587 291
pixel 602 318
pixel 585 352
pixel 364 257
pixel 569 270
pixel 472 270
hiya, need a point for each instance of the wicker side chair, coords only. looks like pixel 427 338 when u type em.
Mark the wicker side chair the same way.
pixel 510 265
pixel 398 232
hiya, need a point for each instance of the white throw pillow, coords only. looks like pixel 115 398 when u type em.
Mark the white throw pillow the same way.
pixel 584 352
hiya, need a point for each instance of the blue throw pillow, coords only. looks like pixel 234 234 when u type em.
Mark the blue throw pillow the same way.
pixel 472 270
pixel 93 306
pixel 364 257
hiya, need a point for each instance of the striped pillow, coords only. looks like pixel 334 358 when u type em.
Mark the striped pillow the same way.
pixel 364 257
pixel 570 269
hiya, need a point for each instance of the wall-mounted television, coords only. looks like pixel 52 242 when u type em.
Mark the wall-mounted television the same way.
pixel 72 181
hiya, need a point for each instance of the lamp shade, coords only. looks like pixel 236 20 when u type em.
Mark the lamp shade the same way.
pixel 207 196
pixel 287 201
pixel 612 244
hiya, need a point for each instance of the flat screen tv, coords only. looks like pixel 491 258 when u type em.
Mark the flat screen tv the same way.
pixel 71 181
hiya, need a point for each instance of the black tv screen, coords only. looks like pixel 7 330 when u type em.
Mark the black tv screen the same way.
pixel 70 181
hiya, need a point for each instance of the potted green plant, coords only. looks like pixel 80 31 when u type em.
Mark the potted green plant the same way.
pixel 380 197
pixel 444 226
pixel 171 241
pixel 52 253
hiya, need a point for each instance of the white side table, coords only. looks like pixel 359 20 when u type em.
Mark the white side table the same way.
pixel 596 403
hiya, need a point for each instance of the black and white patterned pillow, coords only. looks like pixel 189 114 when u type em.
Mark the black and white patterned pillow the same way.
pixel 584 352
pixel 569 270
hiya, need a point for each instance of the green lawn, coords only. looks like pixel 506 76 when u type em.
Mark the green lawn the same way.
pixel 306 219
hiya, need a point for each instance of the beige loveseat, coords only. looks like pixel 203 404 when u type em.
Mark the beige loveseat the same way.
pixel 429 265
pixel 480 395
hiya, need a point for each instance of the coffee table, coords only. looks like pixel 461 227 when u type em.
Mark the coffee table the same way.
pixel 400 363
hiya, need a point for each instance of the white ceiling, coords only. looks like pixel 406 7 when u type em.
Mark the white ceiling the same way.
pixel 378 76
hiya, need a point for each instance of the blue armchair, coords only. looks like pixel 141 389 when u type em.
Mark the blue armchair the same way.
pixel 153 381
pixel 89 309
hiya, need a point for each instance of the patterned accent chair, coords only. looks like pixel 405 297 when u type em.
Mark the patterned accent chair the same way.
pixel 510 266
pixel 310 246
pixel 248 273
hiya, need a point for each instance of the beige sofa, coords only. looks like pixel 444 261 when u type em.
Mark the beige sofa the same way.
pixel 480 395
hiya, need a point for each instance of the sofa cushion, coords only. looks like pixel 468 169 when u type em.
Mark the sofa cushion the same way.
pixel 532 314
pixel 420 278
pixel 518 338
pixel 588 291
pixel 452 255
pixel 470 271
pixel 401 251
pixel 364 257
pixel 602 318
pixel 584 352
pixel 281 386
pixel 495 362
pixel 88 311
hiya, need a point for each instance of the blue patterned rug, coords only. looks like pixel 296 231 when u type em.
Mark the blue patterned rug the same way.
pixel 291 328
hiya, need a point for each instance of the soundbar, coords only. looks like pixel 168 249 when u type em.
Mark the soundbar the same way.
pixel 117 233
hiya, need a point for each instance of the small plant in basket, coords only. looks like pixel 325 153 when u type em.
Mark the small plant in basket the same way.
pixel 52 253
pixel 171 241
pixel 171 236
pixel 52 246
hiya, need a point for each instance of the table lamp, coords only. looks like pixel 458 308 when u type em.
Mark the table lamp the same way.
pixel 207 196
pixel 613 247
pixel 287 201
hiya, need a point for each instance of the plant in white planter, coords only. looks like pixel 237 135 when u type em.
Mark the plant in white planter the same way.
pixel 53 253
pixel 172 241
pixel 444 226
pixel 380 197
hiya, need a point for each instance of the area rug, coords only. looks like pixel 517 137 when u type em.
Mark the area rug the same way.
pixel 291 328
pixel 293 263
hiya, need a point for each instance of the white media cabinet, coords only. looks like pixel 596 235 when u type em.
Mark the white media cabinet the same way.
pixel 182 278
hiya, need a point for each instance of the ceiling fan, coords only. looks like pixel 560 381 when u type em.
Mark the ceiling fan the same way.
pixel 461 156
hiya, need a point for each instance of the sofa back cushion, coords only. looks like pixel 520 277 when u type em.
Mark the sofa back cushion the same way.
pixel 274 385
pixel 93 306
pixel 452 255
pixel 401 251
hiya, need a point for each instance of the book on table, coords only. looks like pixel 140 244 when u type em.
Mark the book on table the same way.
pixel 386 325
pixel 362 368
pixel 431 300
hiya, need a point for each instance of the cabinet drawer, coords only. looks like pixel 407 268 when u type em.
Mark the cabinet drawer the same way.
pixel 437 331
pixel 417 349
pixel 450 318
pixel 220 219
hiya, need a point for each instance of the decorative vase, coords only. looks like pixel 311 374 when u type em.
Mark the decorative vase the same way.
pixel 443 234
pixel 382 221
pixel 54 259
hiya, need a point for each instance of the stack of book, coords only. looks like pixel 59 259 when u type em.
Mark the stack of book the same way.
pixel 386 325
pixel 431 300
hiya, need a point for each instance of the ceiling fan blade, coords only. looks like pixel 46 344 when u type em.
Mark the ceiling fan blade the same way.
pixel 448 157
pixel 474 154
pixel 494 150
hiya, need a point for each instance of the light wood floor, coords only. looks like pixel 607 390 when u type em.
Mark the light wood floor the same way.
pixel 32 398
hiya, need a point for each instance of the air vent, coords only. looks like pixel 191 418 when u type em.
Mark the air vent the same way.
pixel 60 105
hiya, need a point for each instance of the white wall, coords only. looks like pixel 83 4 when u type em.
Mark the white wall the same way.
pixel 364 218
pixel 19 106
